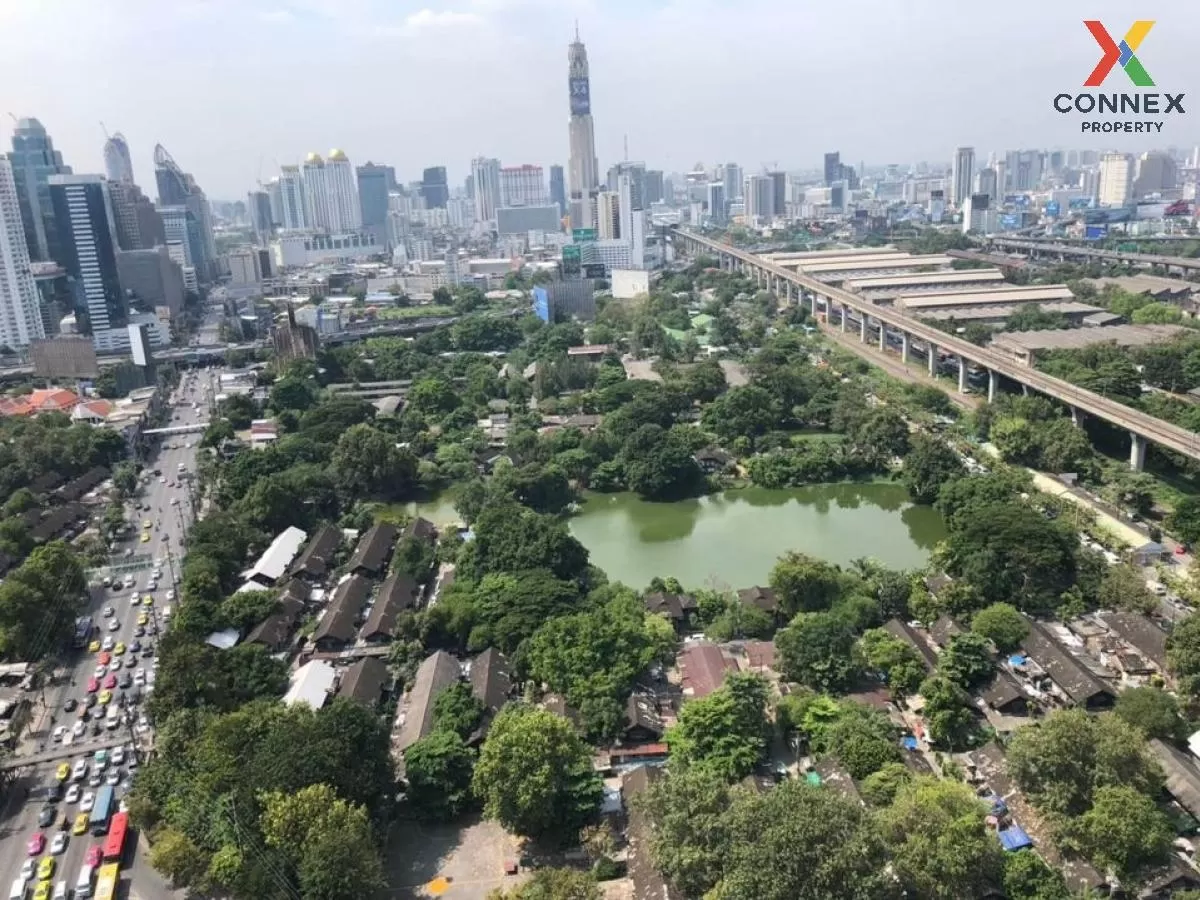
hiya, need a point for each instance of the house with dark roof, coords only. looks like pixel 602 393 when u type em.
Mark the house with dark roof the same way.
pixel 943 629
pixel 760 655
pixel 1142 633
pixel 1183 778
pixel 679 608
pixel 643 724
pixel 1168 880
pixel 762 597
pixel 704 668
pixel 338 626
pixel 830 774
pixel 316 559
pixel 365 681
pixel 90 479
pixel 275 631
pixel 491 680
pixel 712 460
pixel 905 633
pixel 397 593
pixel 1004 695
pixel 435 674
pixel 1080 686
pixel 374 547
pixel 648 882
pixel 557 704
pixel 421 529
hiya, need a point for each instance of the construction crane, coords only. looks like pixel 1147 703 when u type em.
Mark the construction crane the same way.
pixel 105 130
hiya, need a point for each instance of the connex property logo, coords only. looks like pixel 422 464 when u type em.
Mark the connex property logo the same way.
pixel 1113 106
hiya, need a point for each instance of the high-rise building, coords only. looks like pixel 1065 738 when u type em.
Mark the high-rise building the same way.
pixel 275 198
pixel 716 202
pixel 485 183
pixel 654 188
pixel 152 277
pixel 259 205
pixel 759 194
pixel 522 186
pixel 293 205
pixel 558 188
pixel 833 168
pixel 779 192
pixel 962 175
pixel 1156 172
pixel 178 188
pixel 435 189
pixel 34 160
pixel 608 216
pixel 118 164
pixel 637 180
pixel 986 181
pixel 1024 168
pixel 331 192
pixel 86 231
pixel 582 166
pixel 1116 179
pixel 733 180
pixel 374 183
pixel 182 239
pixel 20 309
pixel 126 199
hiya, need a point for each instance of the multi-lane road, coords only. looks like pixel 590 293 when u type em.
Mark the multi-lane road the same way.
pixel 164 501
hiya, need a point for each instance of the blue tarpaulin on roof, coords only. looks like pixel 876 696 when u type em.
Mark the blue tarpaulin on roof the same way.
pixel 1017 660
pixel 908 742
pixel 1014 838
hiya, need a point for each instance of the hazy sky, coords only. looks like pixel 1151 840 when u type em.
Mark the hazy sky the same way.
pixel 232 88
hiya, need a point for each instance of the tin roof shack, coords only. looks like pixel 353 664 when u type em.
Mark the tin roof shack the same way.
pixel 338 625
pixel 1078 686
pixel 316 559
pixel 762 597
pixel 275 631
pixel 648 882
pixel 1141 633
pixel 704 668
pixel 1003 696
pixel 1183 778
pixel 422 530
pixel 943 629
pixel 1165 882
pixel 371 554
pixel 414 719
pixel 905 633
pixel 275 560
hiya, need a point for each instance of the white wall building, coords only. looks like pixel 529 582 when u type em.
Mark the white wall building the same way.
pixel 485 173
pixel 962 175
pixel 759 197
pixel 331 193
pixel 20 315
pixel 244 266
pixel 522 186
pixel 608 222
pixel 291 199
pixel 298 249
pixel 1116 179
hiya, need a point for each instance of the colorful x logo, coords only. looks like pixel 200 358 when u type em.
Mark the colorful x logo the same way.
pixel 1122 53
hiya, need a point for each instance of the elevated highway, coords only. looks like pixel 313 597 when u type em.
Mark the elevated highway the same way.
pixel 1041 248
pixel 796 287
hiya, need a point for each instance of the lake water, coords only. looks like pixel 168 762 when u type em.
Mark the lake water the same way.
pixel 732 540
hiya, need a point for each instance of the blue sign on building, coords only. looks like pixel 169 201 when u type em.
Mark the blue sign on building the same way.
pixel 541 304
pixel 581 102
pixel 1010 222
pixel 1095 232
pixel 1052 208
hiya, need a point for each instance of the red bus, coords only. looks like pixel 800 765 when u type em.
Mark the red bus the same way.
pixel 114 844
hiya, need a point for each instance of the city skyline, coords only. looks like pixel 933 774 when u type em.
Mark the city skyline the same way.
pixel 677 106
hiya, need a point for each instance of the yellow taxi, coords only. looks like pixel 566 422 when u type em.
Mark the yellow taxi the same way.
pixel 145 537
pixel 46 868
pixel 63 772
pixel 147 524
pixel 42 891
pixel 94 647
pixel 147 600
pixel 142 618
pixel 105 698
pixel 81 824
pixel 119 648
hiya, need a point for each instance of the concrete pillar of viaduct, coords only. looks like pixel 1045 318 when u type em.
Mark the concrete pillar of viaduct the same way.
pixel 862 327
pixel 1137 452
pixel 905 349
pixel 962 375
pixel 1076 417
pixel 843 309
pixel 882 337
pixel 993 385
pixel 933 358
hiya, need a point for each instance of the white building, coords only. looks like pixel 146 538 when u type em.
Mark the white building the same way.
pixel 294 216
pixel 298 249
pixel 962 175
pixel 1116 179
pixel 608 222
pixel 331 193
pixel 522 186
pixel 759 197
pixel 485 174
pixel 244 266
pixel 20 315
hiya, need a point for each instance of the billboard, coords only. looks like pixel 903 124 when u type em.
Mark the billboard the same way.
pixel 1095 232
pixel 581 103
pixel 1052 208
pixel 579 235
pixel 571 259
pixel 1079 203
pixel 1010 222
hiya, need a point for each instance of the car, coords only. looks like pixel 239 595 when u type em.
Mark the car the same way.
pixel 105 696
pixel 47 816
pixel 118 756
pixel 95 779
pixel 119 648
pixel 109 612
pixel 71 705
pixel 89 700
pixel 139 677
pixel 174 501
pixel 139 631
pixel 45 869
pixel 146 523
pixel 100 757
pixel 166 537
pixel 126 681
pixel 78 728
pixel 148 600
pixel 94 855
pixel 135 646
pixel 42 891
pixel 59 843
pixel 27 868
pixel 145 537
pixel 93 685
pixel 110 682
pixel 87 801
pixel 36 844
pixel 81 824
pixel 135 599
pixel 54 792
pixel 100 671
pixel 112 777
pixel 116 665
pixel 162 480
pixel 143 619
pixel 94 647
pixel 79 770
pixel 60 732
pixel 170 595
pixel 114 625
pixel 104 658
pixel 147 651
pixel 63 772
pixel 109 642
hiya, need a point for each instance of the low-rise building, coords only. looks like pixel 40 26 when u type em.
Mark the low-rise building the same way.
pixel 415 718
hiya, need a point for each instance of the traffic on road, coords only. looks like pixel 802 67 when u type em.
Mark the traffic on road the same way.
pixel 67 832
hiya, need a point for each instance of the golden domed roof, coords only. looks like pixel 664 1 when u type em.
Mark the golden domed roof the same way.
pixel 313 158
pixel 336 154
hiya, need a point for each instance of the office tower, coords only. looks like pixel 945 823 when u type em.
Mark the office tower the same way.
pixel 34 160
pixel 118 164
pixel 1024 169
pixel 434 187
pixel 608 216
pixel 178 188
pixel 1001 178
pixel 732 176
pixel 275 198
pixel 150 225
pixel 558 188
pixel 637 180
pixel 316 192
pixel 987 183
pixel 1156 172
pixel 582 165
pixel 759 197
pixel 125 197
pixel 522 186
pixel 485 183
pixel 345 211
pixel 259 205
pixel 1116 179
pixel 374 183
pixel 833 168
pixel 962 174
pixel 84 219
pixel 716 202
pixel 293 203
pixel 152 277
pixel 937 206
pixel 654 189
pixel 779 192
pixel 20 309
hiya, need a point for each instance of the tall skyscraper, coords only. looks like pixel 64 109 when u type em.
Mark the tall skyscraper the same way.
pixel 522 186
pixel 259 205
pixel 86 231
pixel 20 312
pixel 582 165
pixel 345 211
pixel 963 174
pixel 987 184
pixel 716 202
pixel 485 182
pixel 779 192
pixel 655 189
pixel 833 168
pixel 118 164
pixel 759 197
pixel 558 188
pixel 1156 172
pixel 126 199
pixel 34 160
pixel 434 188
pixel 732 178
pixel 178 188
pixel 374 183
pixel 292 202
pixel 1116 179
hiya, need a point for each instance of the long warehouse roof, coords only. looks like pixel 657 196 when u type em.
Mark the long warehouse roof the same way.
pixel 970 313
pixel 851 265
pixel 784 256
pixel 805 265
pixel 956 276
pixel 984 298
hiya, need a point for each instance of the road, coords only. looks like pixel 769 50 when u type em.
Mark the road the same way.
pixel 164 548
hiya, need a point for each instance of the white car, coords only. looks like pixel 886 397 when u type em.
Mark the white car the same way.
pixel 114 625
pixel 72 795
pixel 112 723
pixel 59 844
pixel 139 678
pixel 79 770
pixel 95 780
pixel 60 732
pixel 87 802
pixel 170 595
pixel 27 869
pixel 108 643
pixel 174 501
pixel 135 600
pixel 118 756
pixel 100 672
pixel 109 612
pixel 78 728
pixel 113 777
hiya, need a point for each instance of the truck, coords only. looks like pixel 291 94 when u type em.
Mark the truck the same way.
pixel 101 810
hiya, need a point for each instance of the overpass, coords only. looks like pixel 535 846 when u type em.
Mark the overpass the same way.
pixel 795 287
pixel 194 428
pixel 1062 251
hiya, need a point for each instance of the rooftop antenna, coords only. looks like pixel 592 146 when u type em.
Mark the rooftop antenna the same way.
pixel 627 148
pixel 576 33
